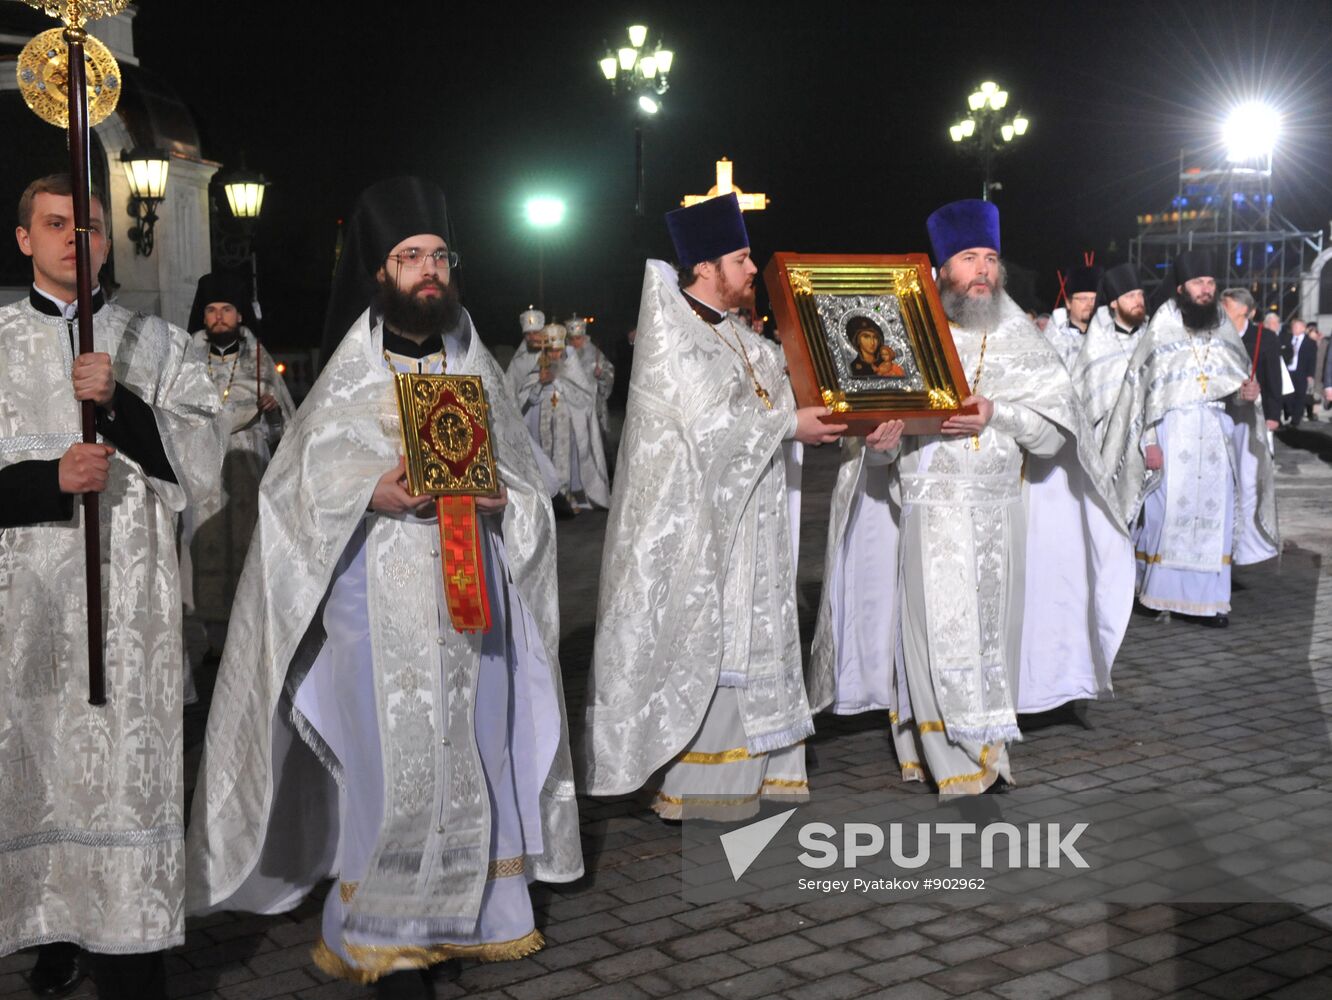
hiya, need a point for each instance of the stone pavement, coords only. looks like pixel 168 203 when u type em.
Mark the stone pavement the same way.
pixel 1196 710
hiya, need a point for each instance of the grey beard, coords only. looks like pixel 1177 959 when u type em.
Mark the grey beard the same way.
pixel 971 314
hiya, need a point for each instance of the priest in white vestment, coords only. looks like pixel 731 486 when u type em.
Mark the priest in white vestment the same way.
pixel 978 572
pixel 355 733
pixel 533 322
pixel 1188 450
pixel 596 364
pixel 255 407
pixel 1116 327
pixel 1067 329
pixel 92 846
pixel 696 685
pixel 558 400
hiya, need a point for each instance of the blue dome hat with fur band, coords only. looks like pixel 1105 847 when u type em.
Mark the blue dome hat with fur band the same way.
pixel 708 230
pixel 963 225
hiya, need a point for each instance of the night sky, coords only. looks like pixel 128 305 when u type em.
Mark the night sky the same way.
pixel 839 112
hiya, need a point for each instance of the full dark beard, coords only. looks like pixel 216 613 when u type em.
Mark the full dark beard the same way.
pixel 408 314
pixel 1198 317
pixel 221 337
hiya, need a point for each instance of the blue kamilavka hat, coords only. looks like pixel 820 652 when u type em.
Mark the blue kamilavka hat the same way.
pixel 963 225
pixel 708 230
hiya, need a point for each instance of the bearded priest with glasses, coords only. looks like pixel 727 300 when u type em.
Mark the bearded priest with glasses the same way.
pixel 355 733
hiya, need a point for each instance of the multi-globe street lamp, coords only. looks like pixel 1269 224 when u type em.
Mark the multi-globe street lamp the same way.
pixel 643 74
pixel 983 133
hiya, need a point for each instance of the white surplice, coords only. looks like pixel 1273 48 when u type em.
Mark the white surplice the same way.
pixel 217 529
pixel 561 416
pixel 1214 501
pixel 968 579
pixel 697 666
pixel 431 775
pixel 92 828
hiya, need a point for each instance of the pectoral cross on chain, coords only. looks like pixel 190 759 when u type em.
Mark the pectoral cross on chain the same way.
pixel 1202 382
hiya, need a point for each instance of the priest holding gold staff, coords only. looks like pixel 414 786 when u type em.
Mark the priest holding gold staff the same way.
pixel 389 709
pixel 957 532
pixel 93 816
pixel 696 688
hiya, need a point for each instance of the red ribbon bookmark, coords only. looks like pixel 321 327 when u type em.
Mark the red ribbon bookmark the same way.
pixel 464 570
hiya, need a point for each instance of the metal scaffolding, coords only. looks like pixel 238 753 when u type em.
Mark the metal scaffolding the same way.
pixel 1229 210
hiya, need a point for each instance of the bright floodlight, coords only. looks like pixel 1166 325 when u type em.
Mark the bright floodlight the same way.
pixel 637 35
pixel 1007 132
pixel 628 57
pixel 989 87
pixel 998 99
pixel 648 105
pixel 968 127
pixel 1020 125
pixel 608 67
pixel 977 100
pixel 1250 133
pixel 544 212
pixel 648 64
pixel 665 57
pixel 956 132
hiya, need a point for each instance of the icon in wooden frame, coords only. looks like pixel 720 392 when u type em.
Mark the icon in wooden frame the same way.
pixel 866 336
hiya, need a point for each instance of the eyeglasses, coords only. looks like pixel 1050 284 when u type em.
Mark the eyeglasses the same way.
pixel 414 257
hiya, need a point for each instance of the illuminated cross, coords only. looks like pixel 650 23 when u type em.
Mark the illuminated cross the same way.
pixel 750 202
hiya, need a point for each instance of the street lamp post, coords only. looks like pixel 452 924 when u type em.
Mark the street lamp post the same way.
pixel 543 213
pixel 244 190
pixel 146 171
pixel 984 134
pixel 643 75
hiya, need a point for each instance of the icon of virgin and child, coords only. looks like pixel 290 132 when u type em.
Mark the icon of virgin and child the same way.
pixel 874 358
